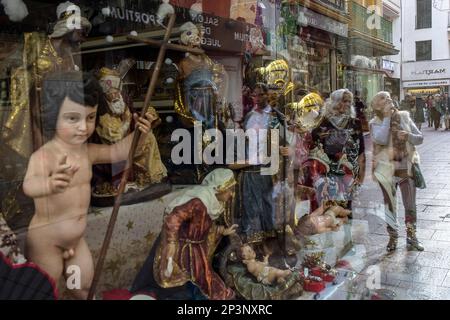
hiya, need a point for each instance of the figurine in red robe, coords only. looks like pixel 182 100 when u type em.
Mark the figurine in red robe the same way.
pixel 183 253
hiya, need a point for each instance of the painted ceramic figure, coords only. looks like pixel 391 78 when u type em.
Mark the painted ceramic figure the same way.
pixel 322 220
pixel 189 237
pixel 59 175
pixel 337 158
pixel 255 206
pixel 42 55
pixel 260 269
pixel 114 124
pixel 201 84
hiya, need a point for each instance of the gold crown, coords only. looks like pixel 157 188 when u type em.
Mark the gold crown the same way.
pixel 277 65
pixel 311 101
pixel 108 72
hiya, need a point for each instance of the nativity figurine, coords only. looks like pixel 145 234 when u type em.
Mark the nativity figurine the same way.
pixel 183 252
pixel 42 54
pixel 201 84
pixel 114 123
pixel 260 269
pixel 322 220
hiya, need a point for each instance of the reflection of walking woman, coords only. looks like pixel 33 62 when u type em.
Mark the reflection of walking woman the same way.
pixel 419 115
pixel 436 112
pixel 429 105
pixel 395 163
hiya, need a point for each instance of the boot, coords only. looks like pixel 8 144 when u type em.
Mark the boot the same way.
pixel 412 243
pixel 393 239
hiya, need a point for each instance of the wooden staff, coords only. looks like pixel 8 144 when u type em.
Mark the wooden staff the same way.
pixel 136 137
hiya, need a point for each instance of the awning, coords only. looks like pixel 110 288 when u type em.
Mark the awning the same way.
pixel 367 70
pixel 366 45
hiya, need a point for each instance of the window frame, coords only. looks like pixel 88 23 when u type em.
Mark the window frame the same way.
pixel 422 14
pixel 430 50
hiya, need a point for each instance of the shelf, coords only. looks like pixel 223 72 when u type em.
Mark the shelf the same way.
pixel 121 42
pixel 165 111
pixel 155 103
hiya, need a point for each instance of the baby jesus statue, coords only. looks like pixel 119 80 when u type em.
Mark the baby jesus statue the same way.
pixel 264 273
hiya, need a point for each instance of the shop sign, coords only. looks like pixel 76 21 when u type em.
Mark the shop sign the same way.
pixel 388 65
pixel 429 72
pixel 426 70
pixel 218 32
pixel 228 34
pixel 133 16
pixel 418 84
pixel 324 23
pixel 424 91
pixel 209 25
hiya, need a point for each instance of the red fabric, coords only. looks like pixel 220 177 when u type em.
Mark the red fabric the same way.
pixel 34 266
pixel 122 294
pixel 191 222
pixel 117 294
pixel 182 3
pixel 314 286
pixel 213 7
pixel 318 169
pixel 343 264
pixel 325 276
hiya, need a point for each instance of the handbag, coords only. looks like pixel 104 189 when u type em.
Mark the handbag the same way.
pixel 419 180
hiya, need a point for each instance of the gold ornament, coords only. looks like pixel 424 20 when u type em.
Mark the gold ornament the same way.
pixel 307 114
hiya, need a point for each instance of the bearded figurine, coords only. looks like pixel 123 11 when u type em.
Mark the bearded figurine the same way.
pixel 115 123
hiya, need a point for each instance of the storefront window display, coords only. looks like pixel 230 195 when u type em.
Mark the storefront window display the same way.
pixel 184 148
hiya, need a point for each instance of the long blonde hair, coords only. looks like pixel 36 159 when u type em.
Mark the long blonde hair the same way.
pixel 375 99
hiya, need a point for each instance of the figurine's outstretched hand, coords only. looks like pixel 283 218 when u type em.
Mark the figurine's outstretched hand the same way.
pixel 60 179
pixel 231 230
